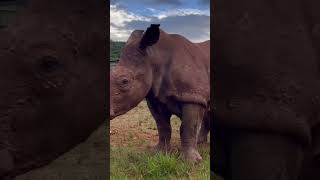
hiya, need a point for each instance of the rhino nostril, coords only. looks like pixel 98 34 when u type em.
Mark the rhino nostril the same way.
pixel 125 81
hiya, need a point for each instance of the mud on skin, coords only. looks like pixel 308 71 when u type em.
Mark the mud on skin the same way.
pixel 173 75
pixel 51 83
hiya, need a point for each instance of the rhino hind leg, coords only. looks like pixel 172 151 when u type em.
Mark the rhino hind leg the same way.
pixel 192 115
pixel 204 130
pixel 162 118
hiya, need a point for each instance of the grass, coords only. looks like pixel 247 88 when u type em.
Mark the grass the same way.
pixel 132 156
pixel 129 163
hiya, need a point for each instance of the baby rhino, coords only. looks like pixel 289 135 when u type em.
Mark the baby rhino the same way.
pixel 173 75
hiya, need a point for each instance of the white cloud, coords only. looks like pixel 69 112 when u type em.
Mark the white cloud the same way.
pixel 118 20
pixel 151 9
pixel 180 12
pixel 177 21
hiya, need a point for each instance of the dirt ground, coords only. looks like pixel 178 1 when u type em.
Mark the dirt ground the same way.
pixel 87 161
pixel 137 128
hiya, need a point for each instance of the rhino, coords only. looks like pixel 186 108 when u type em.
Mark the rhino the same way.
pixel 266 121
pixel 173 75
pixel 53 76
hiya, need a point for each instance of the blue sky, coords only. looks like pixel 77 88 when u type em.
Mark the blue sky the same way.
pixel 190 18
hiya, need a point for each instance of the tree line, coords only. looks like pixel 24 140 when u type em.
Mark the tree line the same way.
pixel 115 50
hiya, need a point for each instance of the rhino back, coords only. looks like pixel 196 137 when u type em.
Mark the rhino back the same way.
pixel 186 75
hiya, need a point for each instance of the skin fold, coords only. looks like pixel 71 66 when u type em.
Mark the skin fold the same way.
pixel 52 82
pixel 267 89
pixel 173 75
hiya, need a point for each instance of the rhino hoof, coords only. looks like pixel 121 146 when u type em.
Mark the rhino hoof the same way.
pixel 192 156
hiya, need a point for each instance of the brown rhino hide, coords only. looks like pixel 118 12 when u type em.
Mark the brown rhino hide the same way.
pixel 181 69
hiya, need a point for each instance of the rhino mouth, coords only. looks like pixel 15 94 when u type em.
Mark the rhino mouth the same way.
pixel 114 114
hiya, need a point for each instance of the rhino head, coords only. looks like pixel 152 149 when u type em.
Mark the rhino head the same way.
pixel 131 79
pixel 52 77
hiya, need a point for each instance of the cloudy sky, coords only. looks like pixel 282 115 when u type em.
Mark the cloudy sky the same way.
pixel 190 18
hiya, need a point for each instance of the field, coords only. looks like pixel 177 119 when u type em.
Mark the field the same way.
pixel 133 136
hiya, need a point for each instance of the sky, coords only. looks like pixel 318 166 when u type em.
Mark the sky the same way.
pixel 190 18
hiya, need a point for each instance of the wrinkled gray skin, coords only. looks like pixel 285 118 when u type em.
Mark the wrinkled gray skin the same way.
pixel 267 89
pixel 172 74
pixel 52 81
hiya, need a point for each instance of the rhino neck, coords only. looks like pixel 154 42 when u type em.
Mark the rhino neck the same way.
pixel 160 55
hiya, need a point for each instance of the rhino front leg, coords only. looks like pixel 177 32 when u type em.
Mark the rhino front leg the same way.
pixel 162 118
pixel 192 115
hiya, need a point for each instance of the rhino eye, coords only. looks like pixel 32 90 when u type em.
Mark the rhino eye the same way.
pixel 125 81
pixel 49 64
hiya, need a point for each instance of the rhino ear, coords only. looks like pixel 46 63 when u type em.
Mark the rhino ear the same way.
pixel 135 35
pixel 150 37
